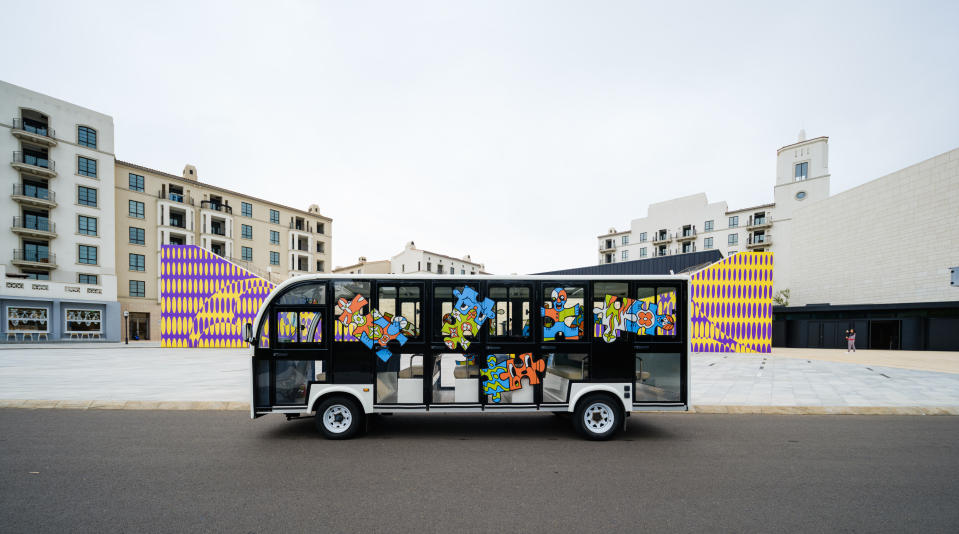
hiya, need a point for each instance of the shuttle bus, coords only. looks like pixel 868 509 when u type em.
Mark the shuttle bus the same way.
pixel 342 347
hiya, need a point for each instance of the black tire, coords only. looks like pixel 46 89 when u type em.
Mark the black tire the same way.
pixel 346 417
pixel 604 413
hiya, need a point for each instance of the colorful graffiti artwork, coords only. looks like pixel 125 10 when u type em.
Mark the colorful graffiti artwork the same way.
pixel 638 316
pixel 508 375
pixel 468 315
pixel 373 328
pixel 560 320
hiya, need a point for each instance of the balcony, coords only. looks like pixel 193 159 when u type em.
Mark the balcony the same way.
pixel 174 197
pixel 662 237
pixel 33 259
pixel 607 246
pixel 33 132
pixel 754 241
pixel 34 227
pixel 34 196
pixel 33 164
pixel 686 234
pixel 215 206
pixel 759 222
pixel 688 247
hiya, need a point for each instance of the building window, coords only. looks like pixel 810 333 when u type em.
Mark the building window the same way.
pixel 625 255
pixel 708 227
pixel 87 254
pixel 642 237
pixel 27 319
pixel 136 209
pixel 320 228
pixel 274 258
pixel 642 252
pixel 86 196
pixel 137 236
pixel 137 262
pixel 86 167
pixel 801 195
pixel 246 231
pixel 734 221
pixel 274 237
pixel 625 240
pixel 138 288
pixel 87 279
pixel 136 182
pixel 246 209
pixel 247 253
pixel 801 169
pixel 83 321
pixel 319 247
pixel 274 216
pixel 733 239
pixel 87 225
pixel 86 136
pixel 319 266
pixel 708 243
pixel 429 267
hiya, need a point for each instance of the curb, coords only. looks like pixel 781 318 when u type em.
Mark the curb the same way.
pixel 699 409
pixel 123 405
pixel 825 410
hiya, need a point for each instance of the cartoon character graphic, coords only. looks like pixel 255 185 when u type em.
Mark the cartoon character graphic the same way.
pixel 561 321
pixel 642 317
pixel 467 317
pixel 509 374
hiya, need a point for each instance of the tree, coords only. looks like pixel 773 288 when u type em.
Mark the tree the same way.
pixel 781 298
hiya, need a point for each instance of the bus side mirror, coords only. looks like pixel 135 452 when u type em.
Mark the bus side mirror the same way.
pixel 249 334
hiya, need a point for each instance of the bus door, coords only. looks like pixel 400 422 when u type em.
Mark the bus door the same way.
pixel 353 328
pixel 299 340
pixel 460 314
pixel 562 337
pixel 658 347
pixel 613 324
pixel 399 344
pixel 511 372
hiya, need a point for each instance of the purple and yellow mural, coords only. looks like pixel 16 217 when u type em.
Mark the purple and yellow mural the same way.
pixel 732 304
pixel 204 299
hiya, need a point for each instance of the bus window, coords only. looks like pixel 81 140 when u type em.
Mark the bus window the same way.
pixel 351 298
pixel 561 369
pixel 455 378
pixel 286 327
pixel 311 293
pixel 459 313
pixel 400 380
pixel 655 312
pixel 404 302
pixel 509 378
pixel 512 311
pixel 562 312
pixel 264 338
pixel 611 311
pixel 262 383
pixel 657 377
pixel 291 379
pixel 311 326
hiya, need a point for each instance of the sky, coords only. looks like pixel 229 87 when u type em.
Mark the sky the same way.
pixel 512 131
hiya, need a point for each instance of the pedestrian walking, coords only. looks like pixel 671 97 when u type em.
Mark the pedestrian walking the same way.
pixel 850 341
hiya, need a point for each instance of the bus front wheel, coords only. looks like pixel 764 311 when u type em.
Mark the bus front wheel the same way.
pixel 598 417
pixel 339 417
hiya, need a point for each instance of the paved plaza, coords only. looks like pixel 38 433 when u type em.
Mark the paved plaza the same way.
pixel 114 374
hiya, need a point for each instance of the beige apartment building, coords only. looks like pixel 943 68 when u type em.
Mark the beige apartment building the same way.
pixel 155 208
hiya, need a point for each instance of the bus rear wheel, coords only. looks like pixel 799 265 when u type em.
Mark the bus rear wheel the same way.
pixel 339 418
pixel 598 417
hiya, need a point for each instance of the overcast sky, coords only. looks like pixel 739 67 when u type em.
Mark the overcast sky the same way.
pixel 513 131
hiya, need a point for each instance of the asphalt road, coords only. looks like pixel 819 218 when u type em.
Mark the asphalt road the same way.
pixel 98 471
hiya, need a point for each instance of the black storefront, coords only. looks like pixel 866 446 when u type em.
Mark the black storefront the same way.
pixel 908 326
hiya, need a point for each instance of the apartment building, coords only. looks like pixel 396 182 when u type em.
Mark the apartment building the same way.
pixel 57 243
pixel 364 266
pixel 692 223
pixel 155 208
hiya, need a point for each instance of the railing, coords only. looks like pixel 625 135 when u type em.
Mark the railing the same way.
pixel 664 236
pixel 178 223
pixel 303 248
pixel 19 124
pixel 175 197
pixel 34 192
pixel 206 204
pixel 299 227
pixel 759 239
pixel 687 250
pixel 34 256
pixel 607 246
pixel 758 221
pixel 41 225
pixel 686 232
pixel 36 161
pixel 217 231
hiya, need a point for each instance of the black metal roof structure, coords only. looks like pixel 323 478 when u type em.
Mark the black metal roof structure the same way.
pixel 677 263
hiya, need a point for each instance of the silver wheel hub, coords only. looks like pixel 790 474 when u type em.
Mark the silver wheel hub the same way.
pixel 599 418
pixel 337 418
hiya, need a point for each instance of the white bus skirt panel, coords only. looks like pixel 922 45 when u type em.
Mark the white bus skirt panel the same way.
pixel 617 389
pixel 362 392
